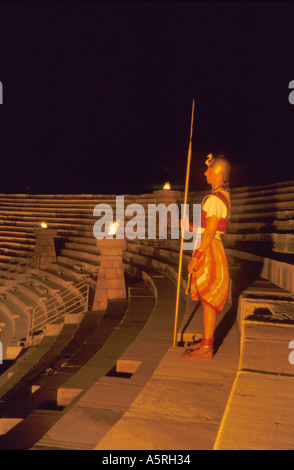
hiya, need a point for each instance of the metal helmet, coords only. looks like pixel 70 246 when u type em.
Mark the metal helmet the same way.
pixel 219 164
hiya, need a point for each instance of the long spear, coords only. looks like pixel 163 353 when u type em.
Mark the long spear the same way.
pixel 182 231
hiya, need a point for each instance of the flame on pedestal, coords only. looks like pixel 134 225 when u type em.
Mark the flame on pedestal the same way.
pixel 44 225
pixel 166 186
pixel 113 228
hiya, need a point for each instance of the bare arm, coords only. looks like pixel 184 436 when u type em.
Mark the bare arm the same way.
pixel 209 232
pixel 206 239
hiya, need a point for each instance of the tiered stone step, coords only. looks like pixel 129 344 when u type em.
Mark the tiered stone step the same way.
pixel 16 304
pixel 71 215
pixel 34 361
pixel 103 378
pixel 259 238
pixel 258 415
pixel 32 357
pixel 18 299
pixel 36 413
pixel 262 218
pixel 274 201
pixel 261 222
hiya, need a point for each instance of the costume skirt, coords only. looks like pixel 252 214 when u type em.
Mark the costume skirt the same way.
pixel 210 283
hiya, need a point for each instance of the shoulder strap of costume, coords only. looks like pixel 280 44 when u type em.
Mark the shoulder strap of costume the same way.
pixel 223 198
pixel 205 199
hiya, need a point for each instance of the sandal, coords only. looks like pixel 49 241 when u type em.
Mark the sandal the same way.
pixel 200 350
pixel 193 346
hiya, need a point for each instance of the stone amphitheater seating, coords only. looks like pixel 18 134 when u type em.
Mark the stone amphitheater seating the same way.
pixel 259 243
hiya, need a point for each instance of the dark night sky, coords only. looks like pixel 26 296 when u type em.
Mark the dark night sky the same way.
pixel 98 96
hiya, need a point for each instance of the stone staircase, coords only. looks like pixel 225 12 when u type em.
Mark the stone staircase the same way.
pixel 68 367
pixel 259 237
pixel 260 249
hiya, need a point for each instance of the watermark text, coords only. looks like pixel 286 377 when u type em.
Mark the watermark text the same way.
pixel 291 355
pixel 161 220
pixel 291 95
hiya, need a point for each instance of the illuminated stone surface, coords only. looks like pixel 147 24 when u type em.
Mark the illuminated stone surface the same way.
pixel 111 280
pixel 45 246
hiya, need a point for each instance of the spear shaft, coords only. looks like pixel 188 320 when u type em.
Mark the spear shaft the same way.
pixel 182 231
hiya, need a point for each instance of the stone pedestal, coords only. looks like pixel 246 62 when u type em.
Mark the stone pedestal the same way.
pixel 45 246
pixel 111 279
pixel 167 197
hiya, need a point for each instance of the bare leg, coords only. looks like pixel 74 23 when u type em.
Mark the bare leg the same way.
pixel 203 350
pixel 209 319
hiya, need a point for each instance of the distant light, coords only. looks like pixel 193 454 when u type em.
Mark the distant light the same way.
pixel 44 225
pixel 166 186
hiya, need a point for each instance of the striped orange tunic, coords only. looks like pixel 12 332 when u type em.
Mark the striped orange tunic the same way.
pixel 211 281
